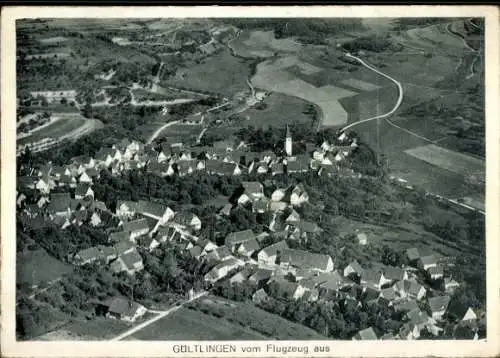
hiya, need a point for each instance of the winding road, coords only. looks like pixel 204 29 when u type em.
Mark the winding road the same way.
pixel 396 106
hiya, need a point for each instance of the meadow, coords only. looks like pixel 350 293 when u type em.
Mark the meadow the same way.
pixel 186 324
pixel 38 267
pixel 221 73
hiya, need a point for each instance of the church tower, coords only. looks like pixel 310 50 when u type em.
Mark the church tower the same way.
pixel 288 142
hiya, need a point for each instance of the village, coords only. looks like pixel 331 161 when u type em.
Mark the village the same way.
pixel 419 292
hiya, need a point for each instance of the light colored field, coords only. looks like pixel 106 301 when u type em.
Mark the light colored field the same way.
pixel 272 76
pixel 358 84
pixel 53 40
pixel 447 159
pixel 186 324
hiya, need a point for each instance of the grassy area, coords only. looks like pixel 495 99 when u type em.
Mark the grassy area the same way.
pixel 97 329
pixel 277 110
pixel 248 315
pixel 55 130
pixel 274 76
pixel 449 160
pixel 35 267
pixel 221 73
pixel 186 324
pixel 181 133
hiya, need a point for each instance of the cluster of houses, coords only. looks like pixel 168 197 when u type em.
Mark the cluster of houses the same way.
pixel 223 158
pixel 66 197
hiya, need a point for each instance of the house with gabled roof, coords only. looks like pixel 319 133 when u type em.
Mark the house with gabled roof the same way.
pixel 367 334
pixel 269 254
pixel 93 254
pixel 353 269
pixel 435 272
pixel 413 255
pixel 460 312
pixel 187 220
pixel 123 309
pixel 85 178
pixel 292 258
pixel 449 285
pixel 252 190
pixel 234 239
pixel 410 288
pixel 149 243
pixel 373 279
pixel 129 262
pixel 220 253
pixel 282 289
pixel 279 194
pixel 155 210
pixel 60 204
pixel 83 190
pixel 426 262
pixel 409 331
pixel 298 195
pixel 405 305
pixel 299 165
pixel 45 184
pixel 260 296
pixel 293 216
pixel 67 180
pixel 438 305
pixel 136 228
pixel 302 229
pixel 222 269
pixel 119 236
pixel 126 208
pixel 247 248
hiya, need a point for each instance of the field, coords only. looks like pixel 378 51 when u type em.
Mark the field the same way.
pixel 214 318
pixel 185 133
pixel 221 73
pixel 97 329
pixel 272 76
pixel 261 44
pixel 38 266
pixel 449 160
pixel 66 126
pixel 279 110
pixel 186 324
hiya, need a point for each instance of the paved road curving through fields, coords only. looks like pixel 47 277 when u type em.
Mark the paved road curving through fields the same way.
pixel 396 106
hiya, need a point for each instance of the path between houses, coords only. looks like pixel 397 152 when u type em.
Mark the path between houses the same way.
pixel 156 318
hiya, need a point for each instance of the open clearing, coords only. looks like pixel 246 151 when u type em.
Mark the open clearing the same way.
pixel 221 73
pixel 186 324
pixel 272 76
pixel 453 161
pixel 279 110
pixel 38 266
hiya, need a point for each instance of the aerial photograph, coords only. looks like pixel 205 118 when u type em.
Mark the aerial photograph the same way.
pixel 230 179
